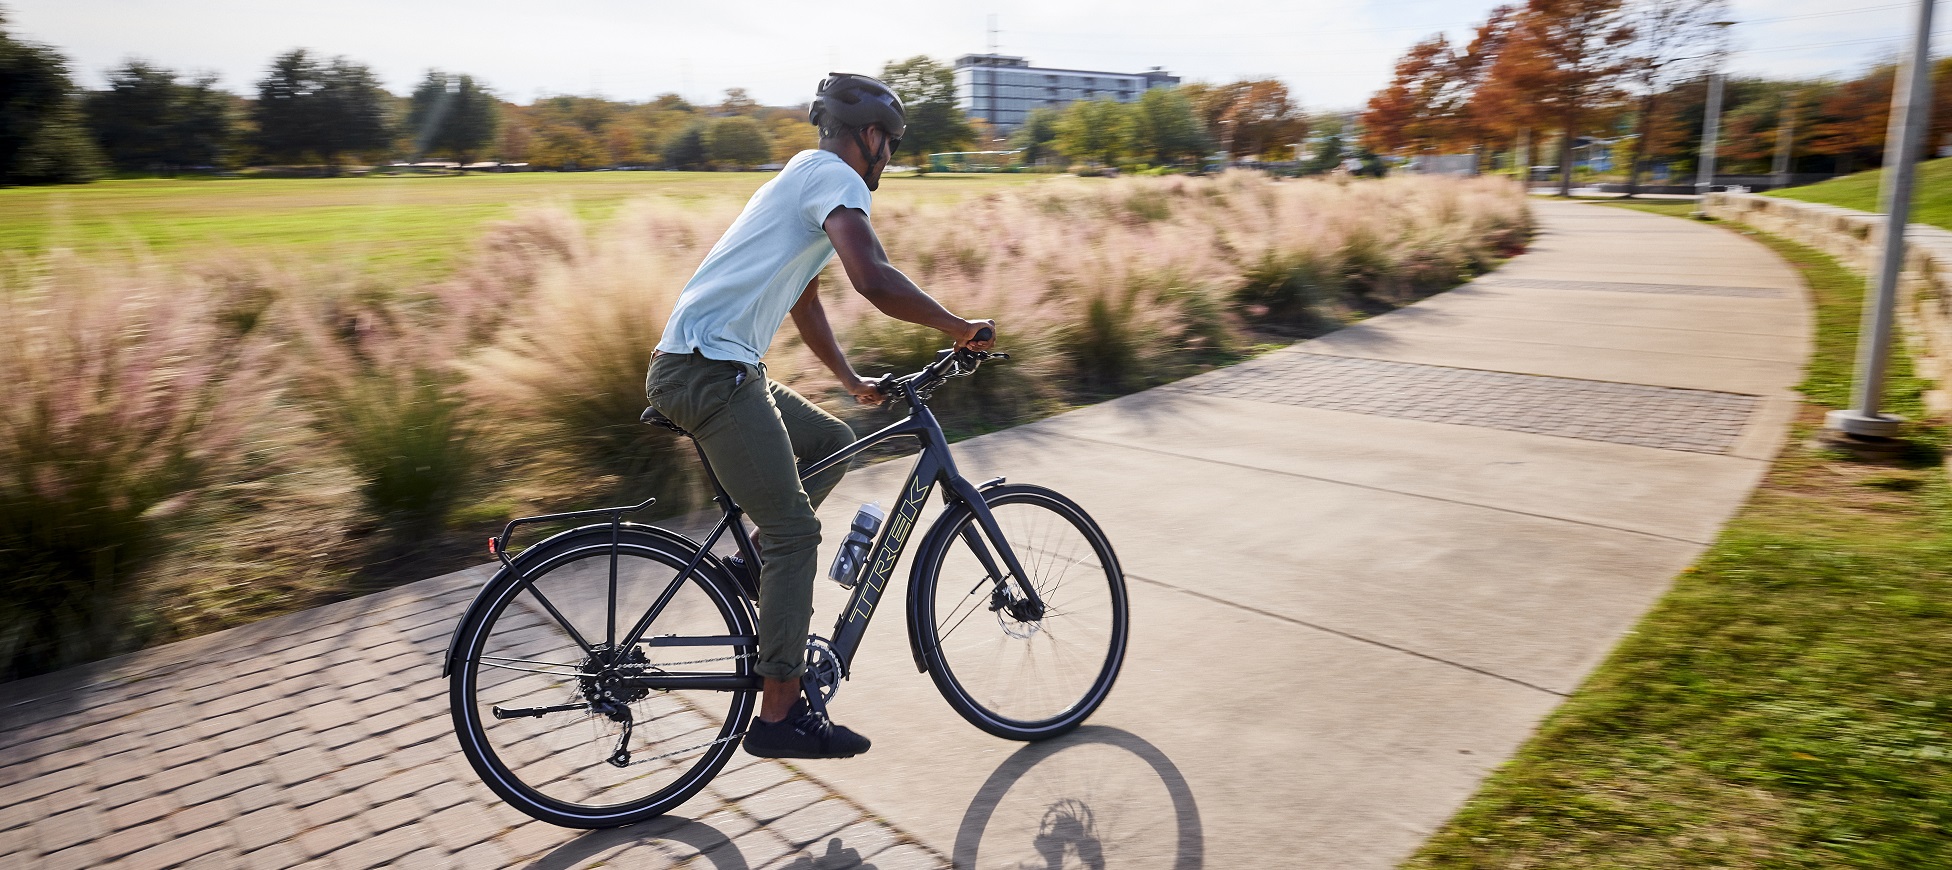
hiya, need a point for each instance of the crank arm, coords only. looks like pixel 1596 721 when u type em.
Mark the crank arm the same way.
pixel 521 712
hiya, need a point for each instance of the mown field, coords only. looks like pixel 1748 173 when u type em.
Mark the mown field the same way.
pixel 407 228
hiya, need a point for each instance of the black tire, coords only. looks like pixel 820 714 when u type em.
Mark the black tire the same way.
pixel 1015 678
pixel 513 652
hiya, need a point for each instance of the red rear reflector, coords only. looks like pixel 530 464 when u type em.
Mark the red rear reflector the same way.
pixel 491 546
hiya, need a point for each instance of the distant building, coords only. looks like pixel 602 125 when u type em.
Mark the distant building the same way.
pixel 1003 90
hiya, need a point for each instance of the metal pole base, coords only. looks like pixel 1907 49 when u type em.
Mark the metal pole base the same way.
pixel 1863 425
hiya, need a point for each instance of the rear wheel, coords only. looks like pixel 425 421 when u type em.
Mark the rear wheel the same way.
pixel 1009 667
pixel 554 726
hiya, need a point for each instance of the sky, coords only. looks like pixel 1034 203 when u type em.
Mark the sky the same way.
pixel 1332 53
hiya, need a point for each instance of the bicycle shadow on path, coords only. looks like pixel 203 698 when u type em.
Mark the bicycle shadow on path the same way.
pixel 700 838
pixel 678 839
pixel 1099 797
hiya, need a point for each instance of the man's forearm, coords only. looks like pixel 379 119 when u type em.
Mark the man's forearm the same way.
pixel 810 318
pixel 896 296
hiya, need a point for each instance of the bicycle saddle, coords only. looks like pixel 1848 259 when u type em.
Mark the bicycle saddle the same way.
pixel 656 418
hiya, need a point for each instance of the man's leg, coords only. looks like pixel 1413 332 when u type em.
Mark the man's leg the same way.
pixel 816 435
pixel 728 410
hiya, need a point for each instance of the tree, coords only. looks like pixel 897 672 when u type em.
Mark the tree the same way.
pixel 42 140
pixel 1850 122
pixel 148 120
pixel 1098 130
pixel 325 110
pixel 1565 58
pixel 791 134
pixel 1037 138
pixel 1165 127
pixel 687 149
pixel 1423 102
pixel 928 92
pixel 1673 41
pixel 736 141
pixel 1266 120
pixel 452 115
pixel 737 102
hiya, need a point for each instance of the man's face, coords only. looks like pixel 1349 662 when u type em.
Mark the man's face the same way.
pixel 877 142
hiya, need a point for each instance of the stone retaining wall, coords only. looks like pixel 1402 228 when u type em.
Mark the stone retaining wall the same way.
pixel 1853 237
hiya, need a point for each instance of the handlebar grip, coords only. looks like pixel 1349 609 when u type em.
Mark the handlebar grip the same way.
pixel 984 334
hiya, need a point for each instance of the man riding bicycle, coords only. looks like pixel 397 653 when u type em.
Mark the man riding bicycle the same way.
pixel 707 377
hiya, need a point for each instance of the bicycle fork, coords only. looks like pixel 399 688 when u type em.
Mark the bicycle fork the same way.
pixel 1019 599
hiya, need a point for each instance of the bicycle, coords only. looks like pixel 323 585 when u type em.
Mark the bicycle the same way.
pixel 582 719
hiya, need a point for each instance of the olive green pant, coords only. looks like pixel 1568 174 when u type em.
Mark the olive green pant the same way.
pixel 753 430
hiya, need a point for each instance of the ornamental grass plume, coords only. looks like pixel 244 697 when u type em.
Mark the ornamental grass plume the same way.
pixel 126 395
pixel 563 383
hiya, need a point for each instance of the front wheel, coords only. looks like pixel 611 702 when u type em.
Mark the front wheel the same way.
pixel 1013 669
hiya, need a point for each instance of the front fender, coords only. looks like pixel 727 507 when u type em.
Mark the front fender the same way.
pixel 535 551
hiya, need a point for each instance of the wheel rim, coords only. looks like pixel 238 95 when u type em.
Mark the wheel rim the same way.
pixel 523 657
pixel 1019 670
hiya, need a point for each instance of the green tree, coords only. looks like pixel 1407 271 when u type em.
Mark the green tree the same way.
pixel 1037 138
pixel 1165 126
pixel 928 92
pixel 737 141
pixel 687 149
pixel 453 115
pixel 1097 130
pixel 148 120
pixel 42 140
pixel 328 110
pixel 738 102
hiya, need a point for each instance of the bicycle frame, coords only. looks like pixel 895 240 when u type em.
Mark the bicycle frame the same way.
pixel 934 465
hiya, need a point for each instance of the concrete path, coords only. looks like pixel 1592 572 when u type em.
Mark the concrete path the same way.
pixel 1362 570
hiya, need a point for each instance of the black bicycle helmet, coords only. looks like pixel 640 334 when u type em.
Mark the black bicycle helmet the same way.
pixel 857 101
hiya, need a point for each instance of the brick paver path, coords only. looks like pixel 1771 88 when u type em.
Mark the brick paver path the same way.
pixel 322 739
pixel 1699 421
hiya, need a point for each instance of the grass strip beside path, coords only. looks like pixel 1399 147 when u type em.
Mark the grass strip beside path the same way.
pixel 1786 703
pixel 1931 198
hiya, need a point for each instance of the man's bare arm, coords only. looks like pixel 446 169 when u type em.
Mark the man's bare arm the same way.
pixel 886 287
pixel 810 318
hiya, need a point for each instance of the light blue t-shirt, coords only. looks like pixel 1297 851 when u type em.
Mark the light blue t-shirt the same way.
pixel 742 292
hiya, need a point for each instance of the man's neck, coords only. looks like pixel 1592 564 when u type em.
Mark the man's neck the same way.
pixel 848 154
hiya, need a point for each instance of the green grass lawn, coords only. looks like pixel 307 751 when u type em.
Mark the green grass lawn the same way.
pixel 1786 703
pixel 411 227
pixel 1931 199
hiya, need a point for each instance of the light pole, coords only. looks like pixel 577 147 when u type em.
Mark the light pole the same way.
pixel 1785 141
pixel 1911 102
pixel 1711 127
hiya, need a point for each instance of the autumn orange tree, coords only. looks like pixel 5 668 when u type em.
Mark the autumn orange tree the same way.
pixel 1423 104
pixel 1849 126
pixel 1673 41
pixel 1439 96
pixel 1566 59
pixel 1252 117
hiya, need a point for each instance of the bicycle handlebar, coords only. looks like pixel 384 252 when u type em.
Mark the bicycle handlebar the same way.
pixel 948 363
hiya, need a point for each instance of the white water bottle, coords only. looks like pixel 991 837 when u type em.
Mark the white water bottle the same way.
pixel 853 555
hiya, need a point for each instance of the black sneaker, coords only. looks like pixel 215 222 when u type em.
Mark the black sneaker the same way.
pixel 803 734
pixel 742 575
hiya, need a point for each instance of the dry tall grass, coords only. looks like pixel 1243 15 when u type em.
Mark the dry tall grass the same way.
pixel 207 445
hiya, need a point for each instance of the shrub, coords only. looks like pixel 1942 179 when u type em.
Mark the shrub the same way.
pixel 125 398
